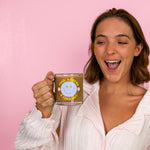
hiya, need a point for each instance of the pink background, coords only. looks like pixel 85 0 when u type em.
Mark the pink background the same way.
pixel 41 35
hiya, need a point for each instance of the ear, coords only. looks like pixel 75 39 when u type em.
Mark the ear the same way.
pixel 138 49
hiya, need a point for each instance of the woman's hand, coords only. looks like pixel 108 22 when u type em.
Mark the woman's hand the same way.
pixel 43 93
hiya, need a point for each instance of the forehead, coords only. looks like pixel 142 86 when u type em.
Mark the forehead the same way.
pixel 113 25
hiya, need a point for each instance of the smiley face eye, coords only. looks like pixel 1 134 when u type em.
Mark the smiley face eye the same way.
pixel 67 86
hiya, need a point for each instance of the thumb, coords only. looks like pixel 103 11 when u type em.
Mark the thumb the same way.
pixel 50 75
pixel 49 79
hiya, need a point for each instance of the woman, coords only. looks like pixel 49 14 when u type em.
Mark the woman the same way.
pixel 115 114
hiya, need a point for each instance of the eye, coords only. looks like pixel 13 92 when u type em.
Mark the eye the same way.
pixel 100 42
pixel 122 43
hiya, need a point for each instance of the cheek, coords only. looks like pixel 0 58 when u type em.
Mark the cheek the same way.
pixel 128 59
pixel 99 61
pixel 98 57
pixel 98 53
pixel 128 52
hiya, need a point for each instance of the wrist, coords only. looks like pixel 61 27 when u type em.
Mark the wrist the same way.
pixel 46 112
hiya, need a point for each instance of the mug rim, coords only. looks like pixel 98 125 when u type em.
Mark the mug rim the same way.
pixel 68 74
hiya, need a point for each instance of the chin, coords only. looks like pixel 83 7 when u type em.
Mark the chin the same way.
pixel 113 79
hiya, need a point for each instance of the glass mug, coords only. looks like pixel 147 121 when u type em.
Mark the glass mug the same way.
pixel 68 88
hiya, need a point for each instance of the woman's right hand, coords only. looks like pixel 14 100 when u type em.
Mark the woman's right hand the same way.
pixel 43 93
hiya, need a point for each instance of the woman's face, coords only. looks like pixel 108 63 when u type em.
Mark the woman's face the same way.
pixel 115 48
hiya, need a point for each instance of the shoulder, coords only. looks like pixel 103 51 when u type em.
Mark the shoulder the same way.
pixel 144 106
pixel 88 87
pixel 145 86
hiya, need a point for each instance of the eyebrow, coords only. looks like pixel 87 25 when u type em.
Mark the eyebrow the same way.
pixel 100 35
pixel 119 35
pixel 123 35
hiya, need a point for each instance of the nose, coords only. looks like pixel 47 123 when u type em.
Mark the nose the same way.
pixel 111 48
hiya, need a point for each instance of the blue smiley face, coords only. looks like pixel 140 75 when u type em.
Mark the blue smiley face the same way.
pixel 68 89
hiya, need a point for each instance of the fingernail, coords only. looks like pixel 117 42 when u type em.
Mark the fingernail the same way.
pixel 51 76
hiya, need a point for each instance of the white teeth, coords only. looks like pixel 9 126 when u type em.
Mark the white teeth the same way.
pixel 112 61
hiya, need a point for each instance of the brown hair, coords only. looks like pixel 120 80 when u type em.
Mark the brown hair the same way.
pixel 139 72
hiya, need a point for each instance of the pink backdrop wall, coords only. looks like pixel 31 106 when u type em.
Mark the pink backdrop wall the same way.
pixel 37 36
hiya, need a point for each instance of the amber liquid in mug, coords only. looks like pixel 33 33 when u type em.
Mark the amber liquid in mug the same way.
pixel 69 89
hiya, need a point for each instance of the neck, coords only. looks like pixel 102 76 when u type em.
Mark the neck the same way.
pixel 121 87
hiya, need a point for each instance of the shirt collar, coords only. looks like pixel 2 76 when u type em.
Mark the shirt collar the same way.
pixel 90 107
pixel 90 110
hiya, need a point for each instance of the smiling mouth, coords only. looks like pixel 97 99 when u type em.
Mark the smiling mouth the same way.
pixel 69 91
pixel 112 65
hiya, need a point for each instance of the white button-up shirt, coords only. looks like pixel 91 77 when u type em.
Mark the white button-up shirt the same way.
pixel 82 128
